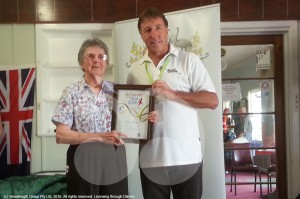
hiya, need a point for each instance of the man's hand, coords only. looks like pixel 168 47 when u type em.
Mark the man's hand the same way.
pixel 153 116
pixel 162 90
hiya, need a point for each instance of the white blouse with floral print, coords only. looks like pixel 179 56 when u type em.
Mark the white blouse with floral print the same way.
pixel 82 110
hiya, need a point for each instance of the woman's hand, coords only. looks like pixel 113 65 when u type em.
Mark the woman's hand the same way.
pixel 114 137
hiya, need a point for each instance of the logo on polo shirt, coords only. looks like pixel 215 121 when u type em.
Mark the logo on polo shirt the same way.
pixel 172 70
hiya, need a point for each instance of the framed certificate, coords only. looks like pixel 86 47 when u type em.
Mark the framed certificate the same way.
pixel 131 106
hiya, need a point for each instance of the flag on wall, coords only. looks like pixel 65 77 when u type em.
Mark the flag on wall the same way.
pixel 17 103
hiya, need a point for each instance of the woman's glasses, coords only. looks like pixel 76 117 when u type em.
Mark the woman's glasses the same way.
pixel 93 56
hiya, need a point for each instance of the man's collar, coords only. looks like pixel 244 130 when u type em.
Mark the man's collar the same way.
pixel 146 58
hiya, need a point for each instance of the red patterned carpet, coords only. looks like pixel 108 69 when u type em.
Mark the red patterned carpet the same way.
pixel 246 191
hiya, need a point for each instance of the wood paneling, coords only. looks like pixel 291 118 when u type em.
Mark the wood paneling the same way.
pixel 167 6
pixel 250 10
pixel 275 9
pixel 293 9
pixel 27 11
pixel 229 10
pixel 108 11
pixel 75 11
pixel 45 11
pixel 209 2
pixel 8 10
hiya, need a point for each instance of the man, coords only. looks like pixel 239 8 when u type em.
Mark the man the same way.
pixel 244 126
pixel 172 160
pixel 228 123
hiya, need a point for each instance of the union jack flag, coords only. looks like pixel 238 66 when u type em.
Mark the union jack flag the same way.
pixel 17 103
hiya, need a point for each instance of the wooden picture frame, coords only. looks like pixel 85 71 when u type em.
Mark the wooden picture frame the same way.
pixel 131 106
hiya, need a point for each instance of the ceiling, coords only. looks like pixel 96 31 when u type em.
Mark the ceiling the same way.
pixel 234 56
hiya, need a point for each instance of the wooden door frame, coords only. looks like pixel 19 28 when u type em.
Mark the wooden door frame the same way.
pixel 288 154
pixel 277 41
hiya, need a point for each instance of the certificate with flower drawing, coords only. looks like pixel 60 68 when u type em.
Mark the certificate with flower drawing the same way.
pixel 132 104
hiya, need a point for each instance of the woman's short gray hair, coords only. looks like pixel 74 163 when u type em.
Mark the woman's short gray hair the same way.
pixel 94 42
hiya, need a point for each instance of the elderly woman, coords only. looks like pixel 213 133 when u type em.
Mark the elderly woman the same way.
pixel 96 157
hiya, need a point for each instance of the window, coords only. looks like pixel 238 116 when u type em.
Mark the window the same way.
pixel 255 107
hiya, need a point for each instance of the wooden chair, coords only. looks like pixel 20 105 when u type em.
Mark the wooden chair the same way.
pixel 270 170
pixel 242 161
